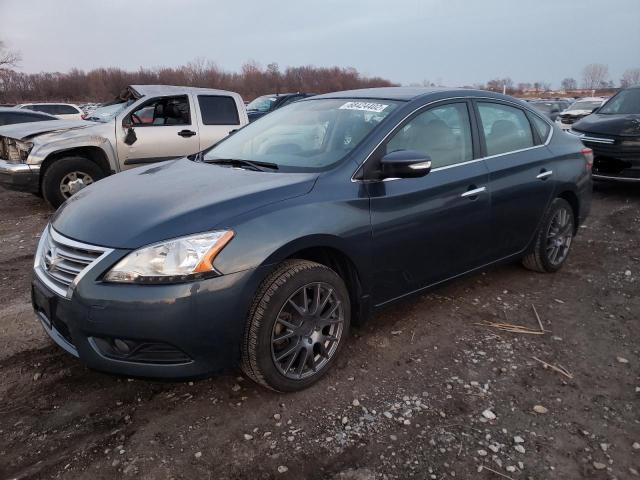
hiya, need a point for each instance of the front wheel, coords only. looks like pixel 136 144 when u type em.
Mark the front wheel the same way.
pixel 553 240
pixel 297 325
pixel 66 177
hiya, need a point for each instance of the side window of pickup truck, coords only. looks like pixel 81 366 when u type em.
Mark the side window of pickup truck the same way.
pixel 218 110
pixel 163 111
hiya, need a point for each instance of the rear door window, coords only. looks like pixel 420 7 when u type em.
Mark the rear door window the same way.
pixel 541 127
pixel 505 128
pixel 218 110
pixel 46 108
pixel 66 110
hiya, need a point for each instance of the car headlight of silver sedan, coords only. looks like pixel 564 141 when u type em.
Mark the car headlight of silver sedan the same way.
pixel 172 261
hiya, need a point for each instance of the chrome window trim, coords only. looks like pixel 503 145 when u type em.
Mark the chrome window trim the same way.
pixel 61 239
pixel 522 107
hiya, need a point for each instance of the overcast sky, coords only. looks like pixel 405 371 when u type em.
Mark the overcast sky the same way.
pixel 452 42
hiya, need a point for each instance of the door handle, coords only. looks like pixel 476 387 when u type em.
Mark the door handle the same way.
pixel 474 192
pixel 186 133
pixel 544 174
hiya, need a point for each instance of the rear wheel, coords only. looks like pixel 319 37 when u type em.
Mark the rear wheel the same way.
pixel 297 326
pixel 553 240
pixel 66 177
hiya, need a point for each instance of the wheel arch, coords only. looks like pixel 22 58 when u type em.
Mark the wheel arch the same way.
pixel 330 251
pixel 571 197
pixel 90 152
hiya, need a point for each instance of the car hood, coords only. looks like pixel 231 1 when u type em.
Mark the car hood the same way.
pixel 172 199
pixel 28 130
pixel 623 125
pixel 576 113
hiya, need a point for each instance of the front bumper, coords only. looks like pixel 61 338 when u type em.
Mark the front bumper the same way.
pixel 615 158
pixel 19 176
pixel 187 330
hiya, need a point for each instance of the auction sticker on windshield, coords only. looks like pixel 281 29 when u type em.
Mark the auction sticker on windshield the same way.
pixel 364 106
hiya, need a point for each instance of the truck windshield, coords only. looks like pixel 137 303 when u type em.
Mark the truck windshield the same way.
pixel 262 104
pixel 305 136
pixel 625 102
pixel 108 111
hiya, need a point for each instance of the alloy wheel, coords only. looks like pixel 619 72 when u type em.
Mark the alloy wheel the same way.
pixel 307 331
pixel 559 236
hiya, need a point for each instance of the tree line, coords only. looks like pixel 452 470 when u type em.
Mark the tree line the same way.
pixel 252 80
pixel 595 77
pixel 103 84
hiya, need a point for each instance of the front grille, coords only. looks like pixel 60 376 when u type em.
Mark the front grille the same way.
pixel 61 262
pixel 569 119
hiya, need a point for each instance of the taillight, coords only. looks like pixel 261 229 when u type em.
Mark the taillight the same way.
pixel 588 157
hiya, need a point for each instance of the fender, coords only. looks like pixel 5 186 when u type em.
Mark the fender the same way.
pixel 74 143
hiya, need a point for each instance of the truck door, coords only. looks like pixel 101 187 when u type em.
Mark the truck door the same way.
pixel 160 129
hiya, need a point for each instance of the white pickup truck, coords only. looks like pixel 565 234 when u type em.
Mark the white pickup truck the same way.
pixel 145 124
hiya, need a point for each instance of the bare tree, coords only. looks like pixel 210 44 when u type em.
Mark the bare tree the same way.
pixel 8 58
pixel 569 84
pixel 498 84
pixel 594 75
pixel 630 78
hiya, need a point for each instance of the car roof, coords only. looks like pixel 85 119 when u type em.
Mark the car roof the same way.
pixel 24 112
pixel 160 90
pixel 46 103
pixel 410 93
pixel 284 94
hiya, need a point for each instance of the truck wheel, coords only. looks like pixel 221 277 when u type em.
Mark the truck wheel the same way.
pixel 66 177
pixel 553 241
pixel 297 325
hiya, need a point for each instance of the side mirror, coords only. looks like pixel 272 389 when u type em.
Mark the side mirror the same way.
pixel 405 164
pixel 127 123
pixel 130 138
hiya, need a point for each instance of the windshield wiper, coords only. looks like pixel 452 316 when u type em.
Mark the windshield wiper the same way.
pixel 238 162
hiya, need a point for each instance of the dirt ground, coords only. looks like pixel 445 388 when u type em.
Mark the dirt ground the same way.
pixel 409 398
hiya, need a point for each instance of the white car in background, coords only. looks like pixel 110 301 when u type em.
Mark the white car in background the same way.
pixel 579 109
pixel 64 111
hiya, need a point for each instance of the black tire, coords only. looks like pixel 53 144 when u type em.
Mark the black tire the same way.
pixel 258 359
pixel 59 169
pixel 540 257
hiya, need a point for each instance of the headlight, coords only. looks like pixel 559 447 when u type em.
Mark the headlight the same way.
pixel 16 150
pixel 177 260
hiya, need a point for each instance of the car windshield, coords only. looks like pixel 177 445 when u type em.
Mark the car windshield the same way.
pixel 588 105
pixel 262 104
pixel 626 101
pixel 107 111
pixel 305 136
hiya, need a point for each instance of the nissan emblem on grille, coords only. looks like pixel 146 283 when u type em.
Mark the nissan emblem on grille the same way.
pixel 63 261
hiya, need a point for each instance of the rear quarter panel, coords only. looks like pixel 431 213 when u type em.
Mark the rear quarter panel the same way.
pixel 570 169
